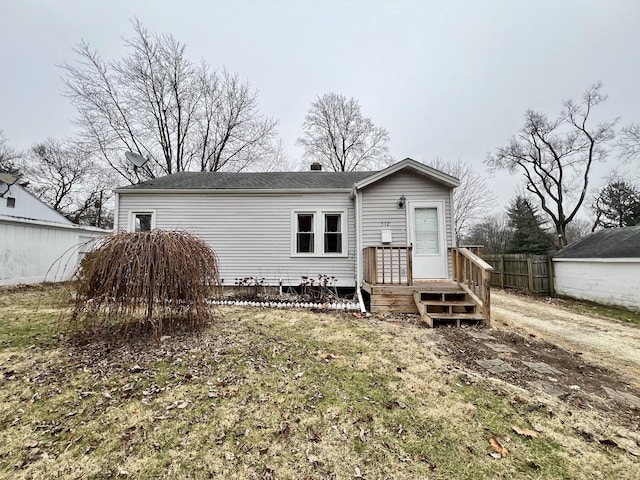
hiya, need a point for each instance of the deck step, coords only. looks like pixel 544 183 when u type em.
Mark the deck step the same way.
pixel 456 303
pixel 446 307
pixel 456 316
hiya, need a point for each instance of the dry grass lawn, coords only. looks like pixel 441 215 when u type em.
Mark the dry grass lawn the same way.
pixel 269 394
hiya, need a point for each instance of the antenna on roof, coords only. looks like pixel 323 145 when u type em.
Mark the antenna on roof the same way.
pixel 9 180
pixel 137 159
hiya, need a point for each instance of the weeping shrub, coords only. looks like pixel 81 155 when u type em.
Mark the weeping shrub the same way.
pixel 144 282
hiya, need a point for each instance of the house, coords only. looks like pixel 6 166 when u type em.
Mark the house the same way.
pixel 372 231
pixel 36 242
pixel 603 267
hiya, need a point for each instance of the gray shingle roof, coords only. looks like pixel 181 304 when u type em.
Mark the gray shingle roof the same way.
pixel 607 243
pixel 252 181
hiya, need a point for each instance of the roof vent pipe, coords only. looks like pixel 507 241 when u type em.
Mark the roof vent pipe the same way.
pixel 316 166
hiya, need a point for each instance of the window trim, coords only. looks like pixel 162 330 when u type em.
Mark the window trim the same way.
pixel 132 218
pixel 318 229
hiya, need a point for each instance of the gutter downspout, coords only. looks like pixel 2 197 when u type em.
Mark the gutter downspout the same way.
pixel 359 251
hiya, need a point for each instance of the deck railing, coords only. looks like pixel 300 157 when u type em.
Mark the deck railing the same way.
pixel 388 265
pixel 474 275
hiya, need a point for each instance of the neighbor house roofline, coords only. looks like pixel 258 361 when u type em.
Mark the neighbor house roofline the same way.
pixel 623 242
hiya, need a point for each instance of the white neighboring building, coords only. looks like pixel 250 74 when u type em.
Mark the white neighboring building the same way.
pixel 603 267
pixel 37 243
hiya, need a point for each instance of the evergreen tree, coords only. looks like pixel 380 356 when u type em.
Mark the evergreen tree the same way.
pixel 617 205
pixel 529 236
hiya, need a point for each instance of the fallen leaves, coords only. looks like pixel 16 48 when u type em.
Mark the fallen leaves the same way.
pixel 180 404
pixel 284 431
pixel 499 450
pixel 525 432
pixel 394 404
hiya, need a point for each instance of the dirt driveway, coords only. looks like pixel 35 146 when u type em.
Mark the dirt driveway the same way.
pixel 606 342
pixel 587 363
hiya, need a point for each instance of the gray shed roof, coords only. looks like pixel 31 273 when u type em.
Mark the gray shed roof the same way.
pixel 607 243
pixel 252 181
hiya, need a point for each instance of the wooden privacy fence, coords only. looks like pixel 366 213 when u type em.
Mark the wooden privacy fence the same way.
pixel 526 272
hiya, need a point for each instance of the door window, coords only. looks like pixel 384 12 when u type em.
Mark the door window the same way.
pixel 426 231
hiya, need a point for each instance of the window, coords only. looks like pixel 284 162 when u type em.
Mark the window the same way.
pixel 304 232
pixel 142 221
pixel 332 233
pixel 330 239
pixel 427 232
pixel 11 202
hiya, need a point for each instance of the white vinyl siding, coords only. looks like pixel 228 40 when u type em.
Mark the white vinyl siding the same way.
pixel 380 207
pixel 26 205
pixel 253 234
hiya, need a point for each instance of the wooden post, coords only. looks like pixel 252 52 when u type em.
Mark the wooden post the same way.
pixel 365 266
pixel 454 263
pixel 530 273
pixel 374 266
pixel 552 277
pixel 502 276
pixel 486 296
pixel 409 266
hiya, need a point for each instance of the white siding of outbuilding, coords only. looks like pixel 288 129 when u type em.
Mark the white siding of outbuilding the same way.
pixel 251 233
pixel 380 207
pixel 33 252
pixel 607 281
pixel 27 206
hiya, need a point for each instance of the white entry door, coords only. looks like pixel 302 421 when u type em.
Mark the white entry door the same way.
pixel 427 233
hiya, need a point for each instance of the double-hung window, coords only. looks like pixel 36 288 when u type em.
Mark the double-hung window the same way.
pixel 305 241
pixel 332 233
pixel 319 233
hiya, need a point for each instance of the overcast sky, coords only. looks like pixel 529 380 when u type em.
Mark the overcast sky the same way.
pixel 448 79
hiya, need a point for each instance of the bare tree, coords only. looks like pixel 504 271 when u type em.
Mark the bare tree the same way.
pixel 156 102
pixel 8 156
pixel 577 229
pixel 64 175
pixel 630 142
pixel 340 138
pixel 493 232
pixel 556 156
pixel 472 199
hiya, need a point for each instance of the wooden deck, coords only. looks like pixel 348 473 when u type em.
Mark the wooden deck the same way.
pixel 392 288
pixel 399 298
